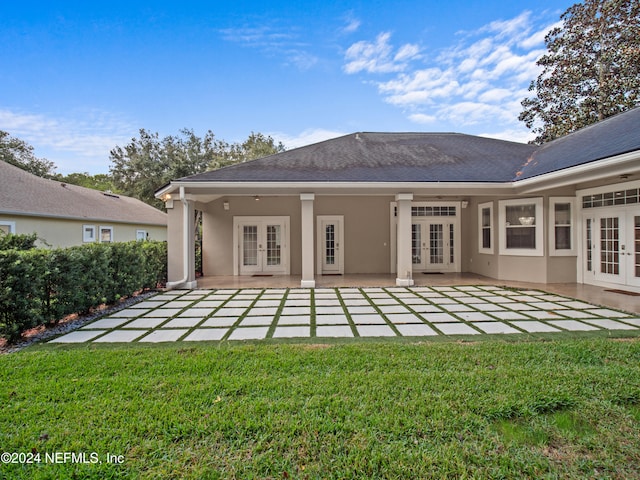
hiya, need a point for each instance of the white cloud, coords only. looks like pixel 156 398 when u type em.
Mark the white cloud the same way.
pixel 422 118
pixel 480 79
pixel 352 26
pixel 307 137
pixel 378 57
pixel 512 135
pixel 73 145
pixel 273 42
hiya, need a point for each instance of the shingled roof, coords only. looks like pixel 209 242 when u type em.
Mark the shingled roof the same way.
pixel 434 157
pixel 22 193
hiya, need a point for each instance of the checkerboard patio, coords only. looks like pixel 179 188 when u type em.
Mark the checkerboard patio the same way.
pixel 254 314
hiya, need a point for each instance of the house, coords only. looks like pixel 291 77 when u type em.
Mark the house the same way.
pixel 413 203
pixel 64 215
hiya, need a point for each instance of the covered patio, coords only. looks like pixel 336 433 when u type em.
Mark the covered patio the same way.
pixel 629 302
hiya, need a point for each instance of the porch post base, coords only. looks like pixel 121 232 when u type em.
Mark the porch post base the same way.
pixel 307 284
pixel 188 285
pixel 404 282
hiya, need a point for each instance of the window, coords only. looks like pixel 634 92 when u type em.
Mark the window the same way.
pixel 7 227
pixel 521 227
pixel 561 230
pixel 141 235
pixel 485 227
pixel 88 233
pixel 106 234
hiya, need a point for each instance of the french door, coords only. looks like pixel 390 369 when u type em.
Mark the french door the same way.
pixel 262 245
pixel 433 245
pixel 612 240
pixel 330 230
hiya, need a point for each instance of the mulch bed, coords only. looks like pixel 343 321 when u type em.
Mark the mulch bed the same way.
pixel 70 323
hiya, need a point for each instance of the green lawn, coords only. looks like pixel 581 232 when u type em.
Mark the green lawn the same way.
pixel 567 408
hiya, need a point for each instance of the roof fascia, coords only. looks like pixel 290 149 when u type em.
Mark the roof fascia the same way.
pixel 80 219
pixel 353 188
pixel 623 164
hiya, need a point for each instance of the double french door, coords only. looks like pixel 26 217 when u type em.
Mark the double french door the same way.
pixel 612 241
pixel 262 245
pixel 433 245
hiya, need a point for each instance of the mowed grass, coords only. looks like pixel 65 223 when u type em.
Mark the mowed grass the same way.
pixel 546 409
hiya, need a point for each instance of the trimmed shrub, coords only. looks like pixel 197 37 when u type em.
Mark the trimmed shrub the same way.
pixel 13 241
pixel 42 286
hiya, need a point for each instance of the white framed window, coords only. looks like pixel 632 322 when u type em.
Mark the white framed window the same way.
pixel 485 228
pixel 141 235
pixel 88 233
pixel 106 234
pixel 7 227
pixel 521 227
pixel 562 240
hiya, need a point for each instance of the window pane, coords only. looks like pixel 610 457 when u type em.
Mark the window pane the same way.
pixel 521 214
pixel 563 213
pixel 105 235
pixel 563 238
pixel 486 217
pixel 521 237
pixel 250 245
pixel 486 238
pixel 416 244
pixel 273 244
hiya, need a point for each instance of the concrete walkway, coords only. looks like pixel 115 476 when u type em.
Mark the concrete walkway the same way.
pixel 251 314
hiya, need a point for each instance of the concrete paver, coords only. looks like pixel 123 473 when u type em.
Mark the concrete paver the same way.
pixel 256 313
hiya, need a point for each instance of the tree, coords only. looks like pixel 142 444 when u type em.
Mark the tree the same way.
pixel 100 181
pixel 20 154
pixel 148 162
pixel 591 70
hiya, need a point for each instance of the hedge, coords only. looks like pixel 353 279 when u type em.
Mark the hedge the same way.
pixel 40 286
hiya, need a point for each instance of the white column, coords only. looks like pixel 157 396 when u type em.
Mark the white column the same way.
pixel 404 275
pixel 308 278
pixel 188 245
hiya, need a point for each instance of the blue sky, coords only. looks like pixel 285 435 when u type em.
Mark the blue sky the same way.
pixel 79 78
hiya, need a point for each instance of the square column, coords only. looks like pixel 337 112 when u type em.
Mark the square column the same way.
pixel 186 242
pixel 308 274
pixel 404 268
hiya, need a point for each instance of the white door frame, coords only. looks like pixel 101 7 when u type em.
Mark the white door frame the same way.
pixel 320 244
pixel 455 221
pixel 626 214
pixel 240 221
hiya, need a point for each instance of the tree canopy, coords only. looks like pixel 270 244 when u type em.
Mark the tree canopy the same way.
pixel 591 70
pixel 20 154
pixel 147 163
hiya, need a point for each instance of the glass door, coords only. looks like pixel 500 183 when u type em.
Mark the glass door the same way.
pixel 261 247
pixel 330 244
pixel 433 245
pixel 632 248
pixel 609 259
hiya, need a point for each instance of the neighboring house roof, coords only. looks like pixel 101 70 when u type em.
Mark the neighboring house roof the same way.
pixel 22 193
pixel 434 157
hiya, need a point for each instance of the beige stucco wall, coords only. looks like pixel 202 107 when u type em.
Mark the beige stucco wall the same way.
pixel 539 269
pixel 367 242
pixel 56 232
pixel 366 230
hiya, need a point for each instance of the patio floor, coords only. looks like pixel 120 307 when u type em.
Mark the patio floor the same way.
pixel 420 311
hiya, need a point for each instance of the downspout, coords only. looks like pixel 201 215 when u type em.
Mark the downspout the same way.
pixel 185 242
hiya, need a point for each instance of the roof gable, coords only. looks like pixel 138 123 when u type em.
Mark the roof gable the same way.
pixel 27 194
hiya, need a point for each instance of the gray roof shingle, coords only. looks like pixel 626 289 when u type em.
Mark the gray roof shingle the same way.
pixel 434 157
pixel 27 194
